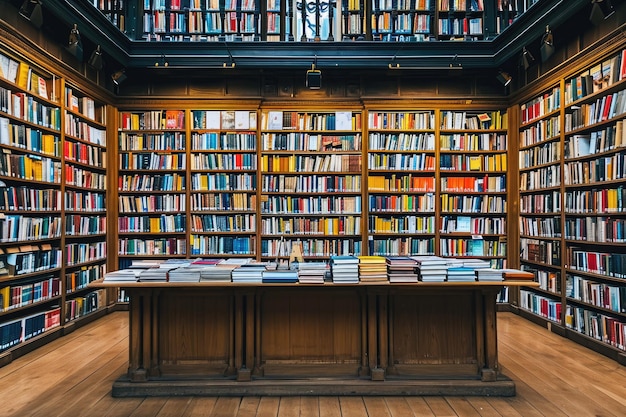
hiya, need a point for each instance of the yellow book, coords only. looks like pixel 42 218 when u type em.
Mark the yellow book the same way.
pixel 5 299
pixel 23 75
pixel 475 163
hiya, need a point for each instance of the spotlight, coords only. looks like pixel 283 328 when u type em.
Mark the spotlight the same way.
pixel 31 10
pixel 600 10
pixel 74 45
pixel 314 78
pixel 504 78
pixel 95 60
pixel 527 58
pixel 119 76
pixel 547 45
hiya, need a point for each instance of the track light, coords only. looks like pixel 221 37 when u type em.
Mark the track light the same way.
pixel 314 78
pixel 31 10
pixel 119 76
pixel 527 58
pixel 74 45
pixel 547 45
pixel 504 77
pixel 600 10
pixel 95 60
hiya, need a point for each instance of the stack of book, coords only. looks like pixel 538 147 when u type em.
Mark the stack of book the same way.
pixel 431 268
pixel 249 272
pixel 280 276
pixel 401 269
pixel 372 269
pixel 312 272
pixel 122 275
pixel 459 272
pixel 153 275
pixel 345 269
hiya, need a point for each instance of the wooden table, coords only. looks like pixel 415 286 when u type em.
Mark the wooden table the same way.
pixel 330 339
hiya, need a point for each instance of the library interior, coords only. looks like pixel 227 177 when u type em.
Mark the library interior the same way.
pixel 330 198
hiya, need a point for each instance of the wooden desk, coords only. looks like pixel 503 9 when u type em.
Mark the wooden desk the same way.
pixel 330 339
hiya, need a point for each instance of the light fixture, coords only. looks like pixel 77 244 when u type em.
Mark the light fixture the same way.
pixel 74 45
pixel 600 10
pixel 547 45
pixel 119 76
pixel 31 10
pixel 504 77
pixel 314 78
pixel 95 60
pixel 527 58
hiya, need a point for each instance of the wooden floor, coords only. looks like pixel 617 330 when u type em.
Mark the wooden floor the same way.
pixel 72 377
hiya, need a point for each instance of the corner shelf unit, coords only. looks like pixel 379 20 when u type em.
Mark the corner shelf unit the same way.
pixel 571 211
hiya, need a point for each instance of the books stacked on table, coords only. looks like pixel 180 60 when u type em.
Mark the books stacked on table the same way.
pixel 249 272
pixel 280 276
pixel 312 272
pixel 401 269
pixel 122 275
pixel 372 269
pixel 344 269
pixel 458 271
pixel 431 268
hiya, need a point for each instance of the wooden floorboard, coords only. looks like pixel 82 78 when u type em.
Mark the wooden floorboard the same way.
pixel 72 377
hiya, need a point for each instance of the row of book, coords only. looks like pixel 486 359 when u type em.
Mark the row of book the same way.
pixel 596 229
pixel 228 141
pixel 401 162
pixel 311 205
pixel 20 294
pixel 152 161
pixel 152 120
pixel 601 263
pixel 540 251
pixel 488 183
pixel 543 130
pixel 608 168
pixel 223 201
pixel 340 269
pixel 28 108
pixel 79 177
pixel 596 325
pixel 224 223
pixel 309 142
pixel 541 106
pixel 287 120
pixel 78 307
pixel 541 305
pixel 80 225
pixel 547 153
pixel 79 279
pixel 17 331
pixel 409 182
pixel 217 245
pixel 458 120
pixel 158 246
pixel 30 138
pixel 379 141
pixel 537 179
pixel 29 167
pixel 28 198
pixel 596 201
pixel 424 120
pixel 224 120
pixel 237 161
pixel 599 294
pixel 311 183
pixel 174 223
pixel 549 202
pixel 495 162
pixel 336 225
pixel 403 224
pixel 164 141
pixel 540 226
pixel 151 182
pixel 28 259
pixel 451 203
pixel 18 228
pixel 151 203
pixel 475 246
pixel 473 142
pixel 473 225
pixel 85 154
pixel 402 246
pixel 318 163
pixel 84 105
pixel 311 246
pixel 80 253
pixel 223 181
pixel 76 127
pixel 602 75
pixel 549 280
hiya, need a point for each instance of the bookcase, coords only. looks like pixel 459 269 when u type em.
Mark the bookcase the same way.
pixel 472 169
pixel 152 184
pixel 344 20
pixel 311 173
pixel 571 220
pixel 401 182
pixel 223 183
pixel 52 204
pixel 85 184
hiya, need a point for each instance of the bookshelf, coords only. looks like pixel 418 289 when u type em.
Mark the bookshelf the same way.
pixel 401 182
pixel 85 171
pixel 282 21
pixel 223 183
pixel 540 154
pixel 593 181
pixel 311 194
pixel 473 176
pixel 152 184
pixel 52 204
pixel 571 216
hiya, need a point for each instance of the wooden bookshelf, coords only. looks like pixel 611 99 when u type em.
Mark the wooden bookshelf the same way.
pixel 571 236
pixel 52 204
